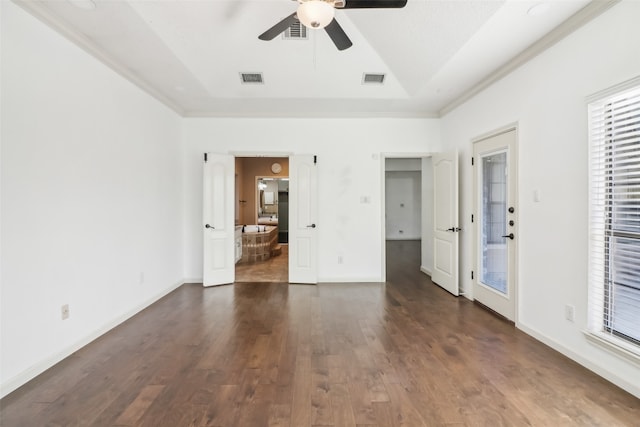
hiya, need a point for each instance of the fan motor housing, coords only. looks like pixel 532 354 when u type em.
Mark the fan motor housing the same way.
pixel 334 3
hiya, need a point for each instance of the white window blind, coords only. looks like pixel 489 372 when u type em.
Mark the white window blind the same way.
pixel 614 252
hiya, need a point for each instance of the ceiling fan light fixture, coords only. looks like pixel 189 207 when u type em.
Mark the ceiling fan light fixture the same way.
pixel 315 14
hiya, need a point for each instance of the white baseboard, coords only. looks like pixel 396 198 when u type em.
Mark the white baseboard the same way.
pixel 598 369
pixel 35 370
pixel 370 279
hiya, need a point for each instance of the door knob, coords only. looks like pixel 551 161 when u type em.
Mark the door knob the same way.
pixel 311 226
pixel 209 226
pixel 510 236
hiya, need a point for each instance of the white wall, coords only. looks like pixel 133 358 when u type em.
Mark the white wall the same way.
pixel 546 97
pixel 349 170
pixel 90 196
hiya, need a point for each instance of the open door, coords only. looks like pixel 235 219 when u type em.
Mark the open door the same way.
pixel 445 221
pixel 303 211
pixel 218 223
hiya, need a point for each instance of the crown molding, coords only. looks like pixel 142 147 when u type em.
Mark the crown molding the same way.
pixel 574 22
pixel 85 44
pixel 311 115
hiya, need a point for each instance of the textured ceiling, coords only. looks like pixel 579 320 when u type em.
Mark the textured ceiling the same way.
pixel 189 54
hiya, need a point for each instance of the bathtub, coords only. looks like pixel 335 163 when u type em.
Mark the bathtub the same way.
pixel 256 228
pixel 258 242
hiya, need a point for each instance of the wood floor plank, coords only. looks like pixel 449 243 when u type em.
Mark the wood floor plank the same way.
pixel 141 403
pixel 302 388
pixel 279 415
pixel 321 413
pixel 341 407
pixel 398 354
pixel 403 409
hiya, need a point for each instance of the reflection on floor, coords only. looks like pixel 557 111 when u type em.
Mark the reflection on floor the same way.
pixel 275 269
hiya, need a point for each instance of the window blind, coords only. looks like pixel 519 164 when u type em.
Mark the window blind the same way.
pixel 614 279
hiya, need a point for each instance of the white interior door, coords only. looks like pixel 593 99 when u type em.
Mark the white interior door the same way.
pixel 218 223
pixel 303 217
pixel 445 221
pixel 495 224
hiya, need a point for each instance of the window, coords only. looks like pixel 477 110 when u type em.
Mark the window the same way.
pixel 614 279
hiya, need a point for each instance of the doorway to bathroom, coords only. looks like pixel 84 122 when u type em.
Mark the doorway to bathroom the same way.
pixel 223 239
pixel 262 219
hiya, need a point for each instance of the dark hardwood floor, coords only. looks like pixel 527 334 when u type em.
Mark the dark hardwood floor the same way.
pixel 402 353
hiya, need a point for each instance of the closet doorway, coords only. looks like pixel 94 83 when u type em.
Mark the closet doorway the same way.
pixel 407 203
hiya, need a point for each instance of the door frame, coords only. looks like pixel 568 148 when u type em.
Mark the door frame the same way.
pixel 515 203
pixel 383 228
pixel 266 154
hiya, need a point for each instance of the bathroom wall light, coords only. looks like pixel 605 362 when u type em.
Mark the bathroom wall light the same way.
pixel 315 14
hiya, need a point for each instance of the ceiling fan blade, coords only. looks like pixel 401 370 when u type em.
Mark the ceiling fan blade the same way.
pixel 374 4
pixel 273 32
pixel 338 36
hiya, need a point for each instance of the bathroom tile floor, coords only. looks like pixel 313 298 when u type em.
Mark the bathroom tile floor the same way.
pixel 275 269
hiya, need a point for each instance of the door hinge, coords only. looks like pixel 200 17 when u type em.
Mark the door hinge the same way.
pixel 471 217
pixel 315 160
pixel 205 157
pixel 472 161
pixel 471 274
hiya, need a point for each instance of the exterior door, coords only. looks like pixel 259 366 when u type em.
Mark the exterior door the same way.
pixel 445 221
pixel 303 219
pixel 496 223
pixel 218 223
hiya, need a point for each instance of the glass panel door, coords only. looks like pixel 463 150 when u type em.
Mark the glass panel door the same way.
pixel 493 222
pixel 496 225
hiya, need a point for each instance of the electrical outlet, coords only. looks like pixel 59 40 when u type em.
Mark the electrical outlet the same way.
pixel 340 259
pixel 569 312
pixel 64 311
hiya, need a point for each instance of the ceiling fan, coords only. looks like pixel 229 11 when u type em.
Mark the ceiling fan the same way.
pixel 318 14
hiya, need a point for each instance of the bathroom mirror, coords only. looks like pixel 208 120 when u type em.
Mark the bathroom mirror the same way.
pixel 268 200
pixel 273 204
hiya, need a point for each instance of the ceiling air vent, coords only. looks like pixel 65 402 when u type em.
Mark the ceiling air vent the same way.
pixel 251 78
pixel 296 31
pixel 370 78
